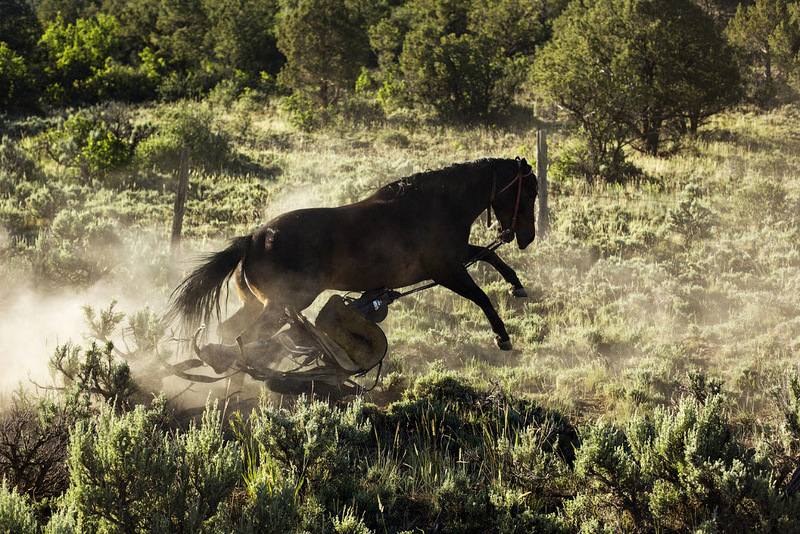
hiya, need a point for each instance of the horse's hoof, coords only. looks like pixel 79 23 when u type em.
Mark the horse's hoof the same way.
pixel 518 292
pixel 503 344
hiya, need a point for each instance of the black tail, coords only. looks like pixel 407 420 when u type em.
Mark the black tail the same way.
pixel 196 299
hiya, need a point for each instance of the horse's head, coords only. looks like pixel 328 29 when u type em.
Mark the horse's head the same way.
pixel 513 203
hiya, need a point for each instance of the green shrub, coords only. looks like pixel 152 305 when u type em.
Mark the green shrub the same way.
pixel 392 93
pixel 95 374
pixel 62 522
pixel 94 142
pixel 78 248
pixel 46 201
pixel 16 166
pixel 225 94
pixel 681 470
pixel 315 445
pixel 358 112
pixel 690 219
pixel 304 114
pixel 466 416
pixel 129 475
pixel 394 139
pixel 511 452
pixel 147 328
pixel 143 346
pixel 209 470
pixel 121 471
pixel 272 504
pixel 104 322
pixel 789 403
pixel 767 203
pixel 80 65
pixel 16 514
pixel 577 163
pixel 13 77
pixel 349 523
pixel 186 126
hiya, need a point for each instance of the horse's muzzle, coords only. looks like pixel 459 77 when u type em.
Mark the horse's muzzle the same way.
pixel 523 243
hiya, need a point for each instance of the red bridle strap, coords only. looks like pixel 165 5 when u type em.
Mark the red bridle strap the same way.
pixel 518 181
pixel 516 205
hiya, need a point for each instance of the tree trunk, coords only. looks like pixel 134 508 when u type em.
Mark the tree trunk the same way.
pixel 768 66
pixel 694 123
pixel 652 135
pixel 180 202
pixel 541 171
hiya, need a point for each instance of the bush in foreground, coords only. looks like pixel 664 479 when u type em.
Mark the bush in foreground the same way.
pixel 682 470
pixel 447 456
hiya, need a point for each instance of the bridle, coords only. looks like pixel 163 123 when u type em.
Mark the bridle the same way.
pixel 518 180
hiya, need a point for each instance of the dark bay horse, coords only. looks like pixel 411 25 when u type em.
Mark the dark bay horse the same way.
pixel 408 231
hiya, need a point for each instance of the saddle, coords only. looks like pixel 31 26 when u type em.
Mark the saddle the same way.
pixel 343 341
pixel 355 343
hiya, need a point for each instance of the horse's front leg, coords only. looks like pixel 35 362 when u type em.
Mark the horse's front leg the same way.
pixel 508 274
pixel 462 283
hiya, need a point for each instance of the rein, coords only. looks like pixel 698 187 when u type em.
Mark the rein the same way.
pixel 491 247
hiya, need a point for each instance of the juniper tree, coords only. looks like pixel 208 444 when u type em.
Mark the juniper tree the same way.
pixel 629 72
pixel 468 59
pixel 325 43
pixel 769 30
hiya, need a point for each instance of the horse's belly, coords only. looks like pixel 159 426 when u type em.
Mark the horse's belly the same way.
pixel 378 270
pixel 361 248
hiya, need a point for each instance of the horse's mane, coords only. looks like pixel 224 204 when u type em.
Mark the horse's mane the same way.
pixel 431 179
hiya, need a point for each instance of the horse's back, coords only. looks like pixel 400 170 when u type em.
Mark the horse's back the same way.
pixel 378 242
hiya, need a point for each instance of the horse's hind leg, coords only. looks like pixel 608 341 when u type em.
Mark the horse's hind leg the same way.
pixel 238 323
pixel 245 316
pixel 273 313
pixel 508 274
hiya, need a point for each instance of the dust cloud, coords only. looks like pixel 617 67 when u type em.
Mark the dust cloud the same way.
pixel 33 323
pixel 292 198
pixel 37 316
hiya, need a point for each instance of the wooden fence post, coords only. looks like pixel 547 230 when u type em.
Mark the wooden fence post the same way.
pixel 543 222
pixel 180 202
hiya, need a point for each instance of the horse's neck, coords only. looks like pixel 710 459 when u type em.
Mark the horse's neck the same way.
pixel 459 196
pixel 469 194
pixel 462 194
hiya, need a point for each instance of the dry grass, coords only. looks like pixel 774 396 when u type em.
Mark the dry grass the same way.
pixel 622 304
pixel 625 300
